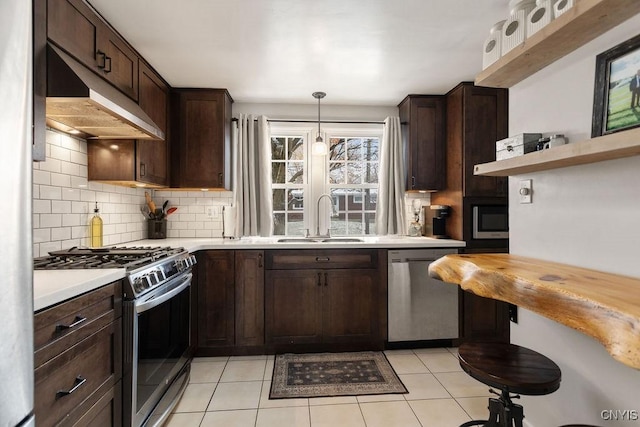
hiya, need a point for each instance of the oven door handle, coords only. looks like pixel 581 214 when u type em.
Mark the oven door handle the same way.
pixel 155 301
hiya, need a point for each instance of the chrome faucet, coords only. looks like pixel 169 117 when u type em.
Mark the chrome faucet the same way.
pixel 333 213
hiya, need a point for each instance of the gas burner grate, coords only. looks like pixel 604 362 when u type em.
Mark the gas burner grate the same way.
pixel 114 257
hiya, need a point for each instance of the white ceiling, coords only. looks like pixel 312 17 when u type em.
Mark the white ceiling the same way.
pixel 361 52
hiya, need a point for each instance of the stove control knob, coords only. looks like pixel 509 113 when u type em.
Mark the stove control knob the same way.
pixel 192 258
pixel 138 285
pixel 149 280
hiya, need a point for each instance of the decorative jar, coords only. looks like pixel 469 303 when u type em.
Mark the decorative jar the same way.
pixel 515 28
pixel 492 49
pixel 540 16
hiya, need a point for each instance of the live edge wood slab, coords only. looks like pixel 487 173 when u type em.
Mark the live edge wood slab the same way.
pixel 601 305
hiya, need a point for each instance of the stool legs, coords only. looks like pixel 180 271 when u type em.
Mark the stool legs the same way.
pixel 502 413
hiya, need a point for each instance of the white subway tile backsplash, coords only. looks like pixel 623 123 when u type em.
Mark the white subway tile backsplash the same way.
pixel 63 200
pixel 70 194
pixel 72 220
pixel 41 177
pixel 47 247
pixel 70 169
pixel 50 220
pixel 41 235
pixel 50 193
pixel 79 182
pixel 60 180
pixel 78 157
pixel 185 217
pixel 41 206
pixel 87 195
pixel 187 233
pixel 59 206
pixel 204 233
pixel 51 165
pixel 60 153
pixel 63 233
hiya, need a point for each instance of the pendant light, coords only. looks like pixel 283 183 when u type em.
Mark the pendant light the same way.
pixel 319 148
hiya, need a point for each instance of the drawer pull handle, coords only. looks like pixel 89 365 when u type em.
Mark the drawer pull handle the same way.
pixel 323 259
pixel 76 385
pixel 77 321
pixel 319 279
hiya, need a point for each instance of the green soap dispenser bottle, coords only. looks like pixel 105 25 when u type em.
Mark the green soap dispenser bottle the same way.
pixel 95 229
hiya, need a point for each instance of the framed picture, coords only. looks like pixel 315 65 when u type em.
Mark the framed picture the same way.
pixel 616 100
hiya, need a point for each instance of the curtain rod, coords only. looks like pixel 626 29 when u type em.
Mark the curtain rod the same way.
pixel 347 122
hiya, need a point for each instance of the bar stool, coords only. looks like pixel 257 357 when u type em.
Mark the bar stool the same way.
pixel 511 369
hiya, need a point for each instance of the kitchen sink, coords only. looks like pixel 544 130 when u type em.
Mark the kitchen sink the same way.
pixel 320 240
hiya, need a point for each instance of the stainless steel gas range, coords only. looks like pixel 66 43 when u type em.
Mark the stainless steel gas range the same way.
pixel 156 314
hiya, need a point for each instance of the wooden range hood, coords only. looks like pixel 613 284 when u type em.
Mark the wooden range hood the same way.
pixel 79 99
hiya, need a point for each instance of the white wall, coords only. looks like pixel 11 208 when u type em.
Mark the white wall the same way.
pixel 587 216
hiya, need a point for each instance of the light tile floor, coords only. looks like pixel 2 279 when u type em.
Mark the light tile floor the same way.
pixel 234 392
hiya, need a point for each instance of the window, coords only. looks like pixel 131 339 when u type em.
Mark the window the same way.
pixel 353 182
pixel 349 174
pixel 288 177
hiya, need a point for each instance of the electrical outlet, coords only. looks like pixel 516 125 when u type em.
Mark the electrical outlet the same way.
pixel 210 212
pixel 525 191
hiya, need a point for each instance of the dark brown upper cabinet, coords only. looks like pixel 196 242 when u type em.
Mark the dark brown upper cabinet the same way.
pixel 77 29
pixel 201 138
pixel 477 117
pixel 152 158
pixel 132 162
pixel 423 138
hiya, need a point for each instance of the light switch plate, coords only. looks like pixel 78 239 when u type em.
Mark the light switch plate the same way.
pixel 525 191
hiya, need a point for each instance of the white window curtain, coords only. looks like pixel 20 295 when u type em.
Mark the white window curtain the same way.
pixel 252 176
pixel 390 210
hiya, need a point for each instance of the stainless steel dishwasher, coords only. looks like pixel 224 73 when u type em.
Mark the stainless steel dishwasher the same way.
pixel 420 308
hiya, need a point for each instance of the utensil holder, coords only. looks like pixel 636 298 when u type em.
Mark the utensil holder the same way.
pixel 157 228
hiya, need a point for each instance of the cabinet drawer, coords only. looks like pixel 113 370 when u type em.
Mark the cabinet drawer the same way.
pixel 321 258
pixel 85 372
pixel 60 327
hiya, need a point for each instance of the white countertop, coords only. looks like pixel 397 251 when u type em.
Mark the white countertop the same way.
pixel 54 286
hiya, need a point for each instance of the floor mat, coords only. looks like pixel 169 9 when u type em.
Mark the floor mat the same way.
pixel 333 374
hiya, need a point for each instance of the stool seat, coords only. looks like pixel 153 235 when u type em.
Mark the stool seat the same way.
pixel 510 367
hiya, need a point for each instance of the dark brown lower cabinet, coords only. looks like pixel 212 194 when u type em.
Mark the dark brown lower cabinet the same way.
pixel 216 298
pixel 484 319
pixel 293 308
pixel 78 368
pixel 323 305
pixel 249 303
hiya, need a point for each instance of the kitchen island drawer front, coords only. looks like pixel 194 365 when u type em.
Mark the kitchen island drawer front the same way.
pixel 60 327
pixel 323 258
pixel 69 384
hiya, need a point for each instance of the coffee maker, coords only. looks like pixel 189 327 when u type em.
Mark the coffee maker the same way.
pixel 435 221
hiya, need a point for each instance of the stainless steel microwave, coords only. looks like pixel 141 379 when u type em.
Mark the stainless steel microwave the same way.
pixel 490 222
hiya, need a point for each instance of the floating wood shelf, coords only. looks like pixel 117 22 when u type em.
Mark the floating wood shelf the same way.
pixel 585 21
pixel 608 147
pixel 601 305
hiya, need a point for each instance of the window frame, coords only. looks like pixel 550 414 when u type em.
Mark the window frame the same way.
pixel 316 176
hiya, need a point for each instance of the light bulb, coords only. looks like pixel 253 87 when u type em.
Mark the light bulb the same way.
pixel 319 148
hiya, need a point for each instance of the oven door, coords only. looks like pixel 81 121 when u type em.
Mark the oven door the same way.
pixel 159 345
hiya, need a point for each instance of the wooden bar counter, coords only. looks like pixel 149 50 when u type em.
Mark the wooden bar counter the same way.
pixel 602 305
